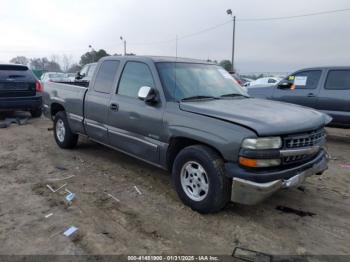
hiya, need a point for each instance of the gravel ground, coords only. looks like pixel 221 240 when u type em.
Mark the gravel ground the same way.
pixel 155 221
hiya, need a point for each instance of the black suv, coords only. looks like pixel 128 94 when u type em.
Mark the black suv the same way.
pixel 20 90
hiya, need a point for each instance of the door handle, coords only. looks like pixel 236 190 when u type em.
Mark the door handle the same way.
pixel 114 107
pixel 311 95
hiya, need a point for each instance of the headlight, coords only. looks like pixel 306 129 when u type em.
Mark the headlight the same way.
pixel 262 143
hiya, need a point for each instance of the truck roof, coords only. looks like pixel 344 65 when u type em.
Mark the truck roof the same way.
pixel 157 59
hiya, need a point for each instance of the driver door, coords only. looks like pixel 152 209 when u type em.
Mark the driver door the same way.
pixel 303 91
pixel 135 127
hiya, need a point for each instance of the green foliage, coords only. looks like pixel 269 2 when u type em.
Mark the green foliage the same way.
pixel 226 64
pixel 92 56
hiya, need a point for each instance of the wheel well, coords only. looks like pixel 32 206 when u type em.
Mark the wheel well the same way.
pixel 55 108
pixel 177 144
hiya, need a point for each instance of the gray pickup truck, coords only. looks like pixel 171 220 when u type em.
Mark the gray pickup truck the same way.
pixel 326 89
pixel 189 117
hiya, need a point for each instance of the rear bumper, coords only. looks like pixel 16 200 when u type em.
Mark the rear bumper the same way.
pixel 21 103
pixel 246 191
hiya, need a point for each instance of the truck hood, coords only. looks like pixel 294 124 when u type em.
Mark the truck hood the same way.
pixel 265 117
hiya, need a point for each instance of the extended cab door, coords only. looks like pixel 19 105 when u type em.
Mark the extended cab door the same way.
pixel 334 97
pixel 136 127
pixel 303 91
pixel 97 101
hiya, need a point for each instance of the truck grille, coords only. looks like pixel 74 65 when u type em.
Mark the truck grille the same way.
pixel 306 140
pixel 314 138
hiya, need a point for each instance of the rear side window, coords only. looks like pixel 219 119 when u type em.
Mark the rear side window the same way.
pixel 306 79
pixel 105 76
pixel 13 72
pixel 135 75
pixel 271 81
pixel 338 80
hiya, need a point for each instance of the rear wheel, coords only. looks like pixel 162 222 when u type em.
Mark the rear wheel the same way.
pixel 64 136
pixel 199 179
pixel 37 112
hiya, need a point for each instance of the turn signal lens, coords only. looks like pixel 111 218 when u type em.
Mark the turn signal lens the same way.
pixel 248 162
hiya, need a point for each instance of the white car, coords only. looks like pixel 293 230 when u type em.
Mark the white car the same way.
pixel 70 77
pixel 52 77
pixel 265 81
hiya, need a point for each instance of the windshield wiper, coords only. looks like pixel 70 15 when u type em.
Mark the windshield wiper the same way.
pixel 233 95
pixel 197 98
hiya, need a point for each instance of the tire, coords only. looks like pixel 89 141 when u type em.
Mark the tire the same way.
pixel 214 189
pixel 35 113
pixel 64 136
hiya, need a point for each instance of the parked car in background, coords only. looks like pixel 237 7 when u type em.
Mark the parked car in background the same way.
pixel 326 89
pixel 69 77
pixel 53 77
pixel 247 81
pixel 20 90
pixel 86 73
pixel 189 117
pixel 265 81
pixel 238 80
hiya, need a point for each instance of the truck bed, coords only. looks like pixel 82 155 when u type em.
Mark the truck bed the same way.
pixel 71 97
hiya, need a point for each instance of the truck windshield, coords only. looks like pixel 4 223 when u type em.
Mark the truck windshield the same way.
pixel 183 81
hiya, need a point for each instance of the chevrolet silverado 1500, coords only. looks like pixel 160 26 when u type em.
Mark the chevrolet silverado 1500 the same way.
pixel 190 117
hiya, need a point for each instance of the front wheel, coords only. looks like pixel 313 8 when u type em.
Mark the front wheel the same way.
pixel 64 136
pixel 199 179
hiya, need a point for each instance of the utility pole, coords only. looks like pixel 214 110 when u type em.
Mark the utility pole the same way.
pixel 233 43
pixel 92 53
pixel 229 12
pixel 124 42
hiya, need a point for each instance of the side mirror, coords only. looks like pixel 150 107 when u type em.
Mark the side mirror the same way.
pixel 147 94
pixel 79 76
pixel 284 84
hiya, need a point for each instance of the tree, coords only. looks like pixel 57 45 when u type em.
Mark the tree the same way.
pixel 67 62
pixel 73 68
pixel 55 59
pixel 92 56
pixel 21 60
pixel 226 64
pixel 44 64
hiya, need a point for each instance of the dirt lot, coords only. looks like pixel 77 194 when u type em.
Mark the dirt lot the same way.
pixel 155 222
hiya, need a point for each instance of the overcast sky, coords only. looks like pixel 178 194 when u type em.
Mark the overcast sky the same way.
pixel 42 28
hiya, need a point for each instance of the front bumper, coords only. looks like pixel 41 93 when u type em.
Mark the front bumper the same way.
pixel 250 192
